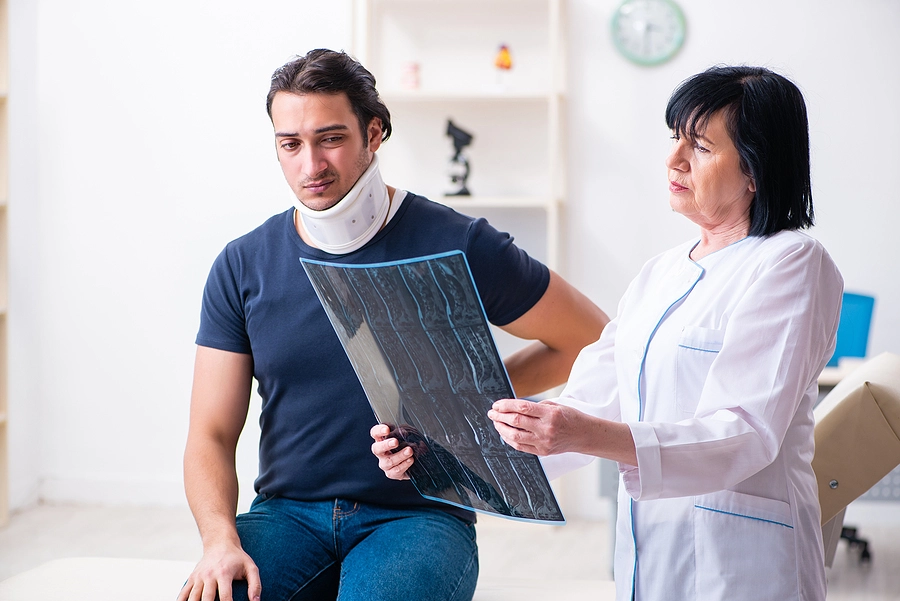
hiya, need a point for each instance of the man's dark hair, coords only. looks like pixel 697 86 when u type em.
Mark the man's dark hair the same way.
pixel 766 118
pixel 323 71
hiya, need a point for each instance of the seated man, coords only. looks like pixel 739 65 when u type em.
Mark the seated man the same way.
pixel 326 519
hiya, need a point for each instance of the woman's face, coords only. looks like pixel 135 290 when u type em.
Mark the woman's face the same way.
pixel 706 182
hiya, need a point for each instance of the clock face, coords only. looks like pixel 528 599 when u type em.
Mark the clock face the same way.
pixel 648 32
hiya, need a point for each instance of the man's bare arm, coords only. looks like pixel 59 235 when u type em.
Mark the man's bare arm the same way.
pixel 220 400
pixel 562 322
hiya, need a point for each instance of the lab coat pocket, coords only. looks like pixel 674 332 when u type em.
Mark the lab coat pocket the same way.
pixel 743 539
pixel 697 348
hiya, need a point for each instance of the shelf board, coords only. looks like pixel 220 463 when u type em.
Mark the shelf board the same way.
pixel 498 202
pixel 426 96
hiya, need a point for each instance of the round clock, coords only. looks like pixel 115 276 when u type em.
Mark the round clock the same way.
pixel 648 32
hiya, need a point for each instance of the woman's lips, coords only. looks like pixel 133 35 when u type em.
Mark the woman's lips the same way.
pixel 676 187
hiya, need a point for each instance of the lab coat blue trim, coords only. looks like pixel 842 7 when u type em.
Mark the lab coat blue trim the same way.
pixel 741 515
pixel 694 348
pixel 634 542
pixel 641 410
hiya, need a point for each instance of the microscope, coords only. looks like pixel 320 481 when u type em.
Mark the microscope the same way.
pixel 459 164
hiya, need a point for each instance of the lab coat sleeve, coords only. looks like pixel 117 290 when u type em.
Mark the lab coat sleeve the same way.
pixel 776 342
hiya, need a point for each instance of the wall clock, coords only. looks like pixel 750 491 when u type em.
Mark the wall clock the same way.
pixel 648 32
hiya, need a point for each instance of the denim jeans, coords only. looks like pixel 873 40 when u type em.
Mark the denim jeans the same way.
pixel 353 552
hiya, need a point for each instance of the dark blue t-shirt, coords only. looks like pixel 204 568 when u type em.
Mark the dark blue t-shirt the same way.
pixel 315 420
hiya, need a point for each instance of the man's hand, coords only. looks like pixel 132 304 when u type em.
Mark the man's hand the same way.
pixel 215 572
pixel 393 463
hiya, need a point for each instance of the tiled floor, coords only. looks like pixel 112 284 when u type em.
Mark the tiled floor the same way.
pixel 579 550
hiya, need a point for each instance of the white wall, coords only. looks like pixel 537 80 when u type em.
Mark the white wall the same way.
pixel 843 57
pixel 140 146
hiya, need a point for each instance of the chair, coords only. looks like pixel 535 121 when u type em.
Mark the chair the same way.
pixel 853 327
pixel 857 436
pixel 852 341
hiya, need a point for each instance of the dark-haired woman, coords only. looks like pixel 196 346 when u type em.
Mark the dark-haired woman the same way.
pixel 702 387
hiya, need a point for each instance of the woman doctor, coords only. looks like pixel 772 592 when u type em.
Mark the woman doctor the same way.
pixel 702 387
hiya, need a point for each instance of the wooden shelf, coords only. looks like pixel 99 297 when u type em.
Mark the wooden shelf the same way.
pixel 434 62
pixel 390 96
pixel 498 202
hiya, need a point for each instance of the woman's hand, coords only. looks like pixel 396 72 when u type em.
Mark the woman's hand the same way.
pixel 544 428
pixel 392 462
pixel 548 428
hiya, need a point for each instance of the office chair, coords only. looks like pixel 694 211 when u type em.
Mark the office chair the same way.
pixel 853 327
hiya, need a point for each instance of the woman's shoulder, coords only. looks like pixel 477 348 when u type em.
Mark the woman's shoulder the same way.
pixel 790 243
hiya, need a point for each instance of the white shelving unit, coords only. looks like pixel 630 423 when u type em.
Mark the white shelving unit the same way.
pixel 4 237
pixel 434 61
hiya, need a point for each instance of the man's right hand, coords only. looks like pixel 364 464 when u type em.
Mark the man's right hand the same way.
pixel 220 399
pixel 215 573
pixel 392 462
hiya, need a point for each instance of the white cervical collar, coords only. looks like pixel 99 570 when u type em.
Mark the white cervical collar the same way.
pixel 354 220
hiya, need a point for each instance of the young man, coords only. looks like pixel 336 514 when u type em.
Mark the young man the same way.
pixel 326 519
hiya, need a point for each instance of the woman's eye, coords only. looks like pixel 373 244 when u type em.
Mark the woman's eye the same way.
pixel 700 148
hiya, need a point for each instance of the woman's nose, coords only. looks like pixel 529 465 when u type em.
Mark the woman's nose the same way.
pixel 677 159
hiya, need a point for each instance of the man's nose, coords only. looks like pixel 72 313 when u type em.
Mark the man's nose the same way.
pixel 313 161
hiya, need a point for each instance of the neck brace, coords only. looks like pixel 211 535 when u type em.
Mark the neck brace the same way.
pixel 354 220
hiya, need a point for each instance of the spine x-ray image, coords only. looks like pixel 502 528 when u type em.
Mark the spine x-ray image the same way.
pixel 417 336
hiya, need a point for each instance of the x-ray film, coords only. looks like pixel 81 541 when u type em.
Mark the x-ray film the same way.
pixel 417 336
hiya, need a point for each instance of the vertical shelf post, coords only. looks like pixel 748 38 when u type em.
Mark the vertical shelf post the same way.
pixel 4 241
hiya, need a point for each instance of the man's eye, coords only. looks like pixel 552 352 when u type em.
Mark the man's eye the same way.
pixel 332 139
pixel 289 145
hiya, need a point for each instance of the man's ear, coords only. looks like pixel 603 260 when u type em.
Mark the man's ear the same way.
pixel 374 131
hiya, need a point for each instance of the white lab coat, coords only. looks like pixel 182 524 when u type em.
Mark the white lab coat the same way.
pixel 713 365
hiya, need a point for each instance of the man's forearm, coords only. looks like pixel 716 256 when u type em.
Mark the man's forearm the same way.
pixel 537 368
pixel 211 486
pixel 563 322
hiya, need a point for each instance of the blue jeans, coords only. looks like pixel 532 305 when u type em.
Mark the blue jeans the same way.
pixel 353 552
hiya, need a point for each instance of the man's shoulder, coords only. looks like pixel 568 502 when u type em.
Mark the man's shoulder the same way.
pixel 426 215
pixel 263 232
pixel 423 203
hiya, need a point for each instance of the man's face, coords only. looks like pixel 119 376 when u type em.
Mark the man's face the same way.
pixel 320 146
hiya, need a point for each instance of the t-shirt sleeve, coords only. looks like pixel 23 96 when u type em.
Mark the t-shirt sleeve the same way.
pixel 509 281
pixel 222 323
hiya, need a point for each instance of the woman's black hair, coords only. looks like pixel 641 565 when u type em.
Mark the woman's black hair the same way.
pixel 766 118
pixel 323 71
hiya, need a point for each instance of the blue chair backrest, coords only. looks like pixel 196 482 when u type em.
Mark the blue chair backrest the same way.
pixel 853 328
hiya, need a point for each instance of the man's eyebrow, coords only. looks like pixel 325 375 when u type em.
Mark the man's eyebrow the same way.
pixel 321 130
